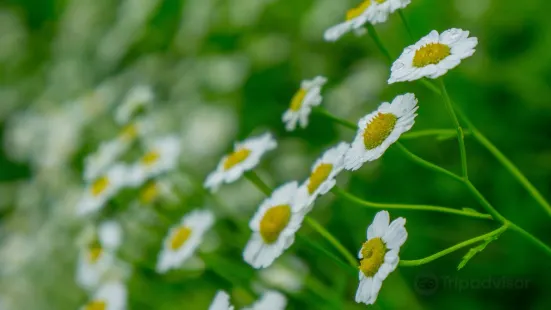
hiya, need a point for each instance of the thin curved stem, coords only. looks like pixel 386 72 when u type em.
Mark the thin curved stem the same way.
pixel 439 133
pixel 257 181
pixel 373 34
pixel 428 259
pixel 460 137
pixel 428 164
pixel 263 187
pixel 327 235
pixel 321 249
pixel 405 22
pixel 337 120
pixel 485 204
pixel 340 192
pixel 532 239
pixel 508 164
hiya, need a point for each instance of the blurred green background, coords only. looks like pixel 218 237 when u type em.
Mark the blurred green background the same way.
pixel 225 69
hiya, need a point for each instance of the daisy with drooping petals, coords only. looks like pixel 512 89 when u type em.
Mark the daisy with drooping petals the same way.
pixel 270 300
pixel 379 255
pixel 324 171
pixel 110 296
pixel 381 9
pixel 274 225
pixel 433 55
pixel 304 99
pixel 138 98
pixel 162 156
pixel 98 192
pixel 221 302
pixel 245 156
pixel 379 129
pixel 99 255
pixel 355 20
pixel 183 239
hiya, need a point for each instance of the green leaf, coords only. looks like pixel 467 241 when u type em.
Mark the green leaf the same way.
pixel 477 249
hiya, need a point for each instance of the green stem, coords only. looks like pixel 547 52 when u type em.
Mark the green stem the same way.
pixel 321 249
pixel 373 34
pixel 257 181
pixel 428 259
pixel 460 137
pixel 327 235
pixel 485 204
pixel 337 120
pixel 405 22
pixel 439 133
pixel 262 186
pixel 531 238
pixel 513 170
pixel 428 164
pixel 521 178
pixel 340 192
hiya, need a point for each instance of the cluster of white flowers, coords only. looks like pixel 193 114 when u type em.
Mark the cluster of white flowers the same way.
pixel 280 216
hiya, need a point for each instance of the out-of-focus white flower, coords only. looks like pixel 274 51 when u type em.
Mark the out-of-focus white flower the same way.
pixel 245 156
pixel 433 55
pixel 183 239
pixel 155 190
pixel 221 302
pixel 108 152
pixel 138 98
pixel 98 192
pixel 110 296
pixel 379 255
pixel 308 96
pixel 98 256
pixel 270 300
pixel 161 156
pixel 324 171
pixel 286 274
pixel 274 225
pixel 380 129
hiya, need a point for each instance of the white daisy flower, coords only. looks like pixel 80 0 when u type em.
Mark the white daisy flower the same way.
pixel 379 129
pixel 324 171
pixel 245 156
pixel 274 225
pixel 369 11
pixel 99 255
pixel 183 239
pixel 162 156
pixel 433 55
pixel 270 300
pixel 138 98
pixel 99 191
pixel 221 302
pixel 379 255
pixel 110 296
pixel 304 99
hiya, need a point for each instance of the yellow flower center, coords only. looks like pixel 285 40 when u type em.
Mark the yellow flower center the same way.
pixel 94 253
pixel 357 11
pixel 274 221
pixel 129 132
pixel 379 129
pixel 236 158
pixel 430 54
pixel 150 158
pixel 96 305
pixel 99 186
pixel 149 193
pixel 296 102
pixel 373 256
pixel 317 177
pixel 179 237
